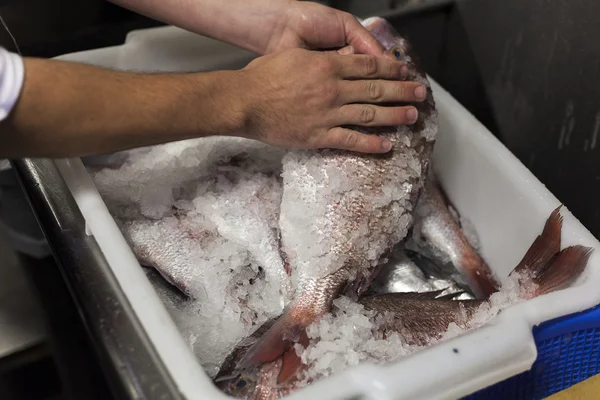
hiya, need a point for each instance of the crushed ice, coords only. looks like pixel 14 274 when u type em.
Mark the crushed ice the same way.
pixel 204 213
pixel 350 334
pixel 345 337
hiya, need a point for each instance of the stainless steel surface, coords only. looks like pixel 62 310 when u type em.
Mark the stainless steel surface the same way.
pixel 127 356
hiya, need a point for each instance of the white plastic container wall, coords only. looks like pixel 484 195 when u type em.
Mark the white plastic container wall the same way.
pixel 488 185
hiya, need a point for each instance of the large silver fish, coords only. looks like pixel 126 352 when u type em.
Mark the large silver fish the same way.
pixel 342 211
pixel 437 235
pixel 402 275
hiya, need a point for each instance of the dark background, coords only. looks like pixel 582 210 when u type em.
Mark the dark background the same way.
pixel 528 69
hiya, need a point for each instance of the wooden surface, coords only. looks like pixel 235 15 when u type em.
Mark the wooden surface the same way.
pixel 586 390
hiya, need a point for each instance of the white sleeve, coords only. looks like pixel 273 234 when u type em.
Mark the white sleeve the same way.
pixel 11 80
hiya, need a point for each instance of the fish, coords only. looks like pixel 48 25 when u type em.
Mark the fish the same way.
pixel 169 294
pixel 181 245
pixel 258 384
pixel 159 244
pixel 545 268
pixel 342 211
pixel 420 318
pixel 444 249
pixel 401 274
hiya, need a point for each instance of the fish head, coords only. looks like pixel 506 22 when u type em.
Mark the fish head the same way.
pixel 258 383
pixel 389 38
pixel 239 386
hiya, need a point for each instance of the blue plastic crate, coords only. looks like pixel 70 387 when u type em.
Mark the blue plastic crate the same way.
pixel 568 353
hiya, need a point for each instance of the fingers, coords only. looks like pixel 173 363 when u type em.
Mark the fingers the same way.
pixel 377 91
pixel 360 38
pixel 371 115
pixel 347 139
pixel 361 66
pixel 346 50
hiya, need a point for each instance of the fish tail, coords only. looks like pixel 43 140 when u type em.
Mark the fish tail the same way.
pixel 544 247
pixel 549 267
pixel 279 338
pixel 292 361
pixel 562 270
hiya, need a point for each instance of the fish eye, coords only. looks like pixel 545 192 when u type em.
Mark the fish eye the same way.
pixel 397 52
pixel 238 384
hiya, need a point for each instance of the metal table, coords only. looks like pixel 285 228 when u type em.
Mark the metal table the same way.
pixel 130 363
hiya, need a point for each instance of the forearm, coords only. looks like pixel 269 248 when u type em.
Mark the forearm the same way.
pixel 67 109
pixel 248 24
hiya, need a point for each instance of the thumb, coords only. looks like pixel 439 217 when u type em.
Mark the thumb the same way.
pixel 360 38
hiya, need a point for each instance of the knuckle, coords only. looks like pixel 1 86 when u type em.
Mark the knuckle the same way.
pixel 375 90
pixel 366 114
pixel 369 65
pixel 352 140
pixel 323 64
pixel 329 92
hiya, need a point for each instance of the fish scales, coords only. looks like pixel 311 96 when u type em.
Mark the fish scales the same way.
pixel 342 211
pixel 421 320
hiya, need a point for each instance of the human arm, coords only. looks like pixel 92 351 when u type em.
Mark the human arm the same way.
pixel 69 109
pixel 263 26
pixel 294 99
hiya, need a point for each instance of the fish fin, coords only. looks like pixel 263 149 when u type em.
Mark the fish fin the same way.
pixel 484 282
pixel 399 296
pixel 277 339
pixel 362 284
pixel 450 296
pixel 545 246
pixel 291 361
pixel 228 366
pixel 157 279
pixel 563 270
pixel 428 264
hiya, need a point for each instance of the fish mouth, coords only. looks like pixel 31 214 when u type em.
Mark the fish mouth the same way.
pixel 372 22
pixel 390 39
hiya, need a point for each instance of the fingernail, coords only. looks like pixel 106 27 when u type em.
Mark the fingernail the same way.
pixel 411 115
pixel 346 50
pixel 386 145
pixel 404 72
pixel 420 92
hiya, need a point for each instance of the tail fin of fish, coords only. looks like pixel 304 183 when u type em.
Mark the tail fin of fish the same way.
pixel 545 246
pixel 291 361
pixel 278 339
pixel 548 267
pixel 562 270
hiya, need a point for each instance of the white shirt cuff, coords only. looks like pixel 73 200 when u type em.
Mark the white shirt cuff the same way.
pixel 12 74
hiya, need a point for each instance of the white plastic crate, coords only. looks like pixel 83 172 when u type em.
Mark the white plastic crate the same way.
pixel 488 185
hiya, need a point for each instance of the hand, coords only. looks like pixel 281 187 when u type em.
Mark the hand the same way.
pixel 264 26
pixel 314 26
pixel 301 99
